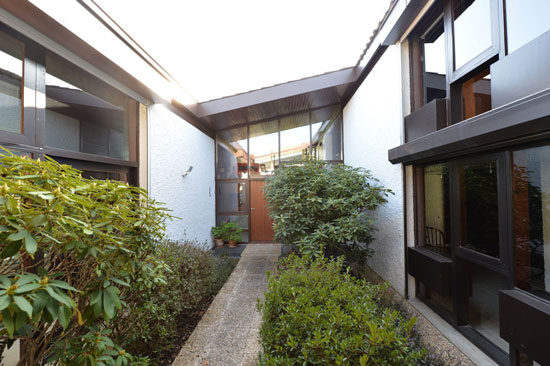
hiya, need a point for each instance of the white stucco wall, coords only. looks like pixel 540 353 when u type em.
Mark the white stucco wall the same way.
pixel 174 146
pixel 372 126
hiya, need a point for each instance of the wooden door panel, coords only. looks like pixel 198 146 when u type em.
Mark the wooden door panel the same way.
pixel 260 222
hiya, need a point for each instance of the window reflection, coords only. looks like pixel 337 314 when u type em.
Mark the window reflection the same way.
pixel 264 148
pixel 476 95
pixel 83 114
pixel 231 197
pixel 531 193
pixel 11 79
pixel 295 137
pixel 479 207
pixel 472 29
pixel 437 208
pixel 435 82
pixel 525 21
pixel 483 309
pixel 327 140
pixel 232 154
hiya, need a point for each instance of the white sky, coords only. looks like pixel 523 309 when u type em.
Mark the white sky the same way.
pixel 216 48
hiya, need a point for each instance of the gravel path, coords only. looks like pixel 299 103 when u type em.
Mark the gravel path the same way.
pixel 228 333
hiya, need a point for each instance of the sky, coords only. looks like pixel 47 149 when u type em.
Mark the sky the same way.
pixel 216 48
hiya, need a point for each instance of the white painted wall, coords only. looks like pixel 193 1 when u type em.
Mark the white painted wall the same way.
pixel 174 146
pixel 372 126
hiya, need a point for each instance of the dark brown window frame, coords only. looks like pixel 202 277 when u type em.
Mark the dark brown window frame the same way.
pixel 32 140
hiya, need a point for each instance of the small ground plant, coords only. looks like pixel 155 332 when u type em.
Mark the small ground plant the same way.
pixel 315 313
pixel 317 205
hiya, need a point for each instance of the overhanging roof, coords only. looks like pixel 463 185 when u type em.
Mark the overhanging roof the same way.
pixel 294 97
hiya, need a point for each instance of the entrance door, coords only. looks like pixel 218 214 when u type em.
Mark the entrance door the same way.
pixel 261 225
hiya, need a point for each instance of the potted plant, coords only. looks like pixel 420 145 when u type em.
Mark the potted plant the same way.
pixel 232 233
pixel 218 233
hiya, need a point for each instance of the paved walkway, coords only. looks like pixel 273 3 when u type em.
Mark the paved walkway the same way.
pixel 227 335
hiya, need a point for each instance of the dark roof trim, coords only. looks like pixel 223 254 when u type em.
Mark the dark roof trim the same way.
pixel 405 20
pixel 517 120
pixel 289 89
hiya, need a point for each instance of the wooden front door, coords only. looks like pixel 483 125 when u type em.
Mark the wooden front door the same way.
pixel 261 224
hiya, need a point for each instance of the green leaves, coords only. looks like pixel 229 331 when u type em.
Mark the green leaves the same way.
pixel 23 305
pixel 78 234
pixel 314 204
pixel 316 314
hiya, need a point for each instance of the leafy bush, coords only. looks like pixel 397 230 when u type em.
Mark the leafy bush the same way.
pixel 156 313
pixel 314 204
pixel 315 314
pixel 72 250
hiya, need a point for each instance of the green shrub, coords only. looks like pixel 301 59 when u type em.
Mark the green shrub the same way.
pixel 151 327
pixel 316 314
pixel 314 205
pixel 71 249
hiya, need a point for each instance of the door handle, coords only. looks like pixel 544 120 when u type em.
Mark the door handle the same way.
pixel 252 208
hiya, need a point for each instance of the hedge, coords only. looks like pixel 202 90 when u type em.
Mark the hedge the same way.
pixel 315 313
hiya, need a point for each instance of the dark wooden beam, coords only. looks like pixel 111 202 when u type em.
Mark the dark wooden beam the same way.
pixel 289 89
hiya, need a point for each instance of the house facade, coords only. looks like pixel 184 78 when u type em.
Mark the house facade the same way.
pixel 448 106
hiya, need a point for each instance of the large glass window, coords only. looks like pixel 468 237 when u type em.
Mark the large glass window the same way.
pixel 472 29
pixel 232 154
pixel 295 137
pixel 434 56
pixel 531 193
pixel 483 309
pixel 479 221
pixel 327 140
pixel 437 233
pixel 264 148
pixel 525 21
pixel 11 84
pixel 85 115
pixel 231 197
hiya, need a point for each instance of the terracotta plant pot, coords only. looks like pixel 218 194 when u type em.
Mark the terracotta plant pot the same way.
pixel 219 242
pixel 232 243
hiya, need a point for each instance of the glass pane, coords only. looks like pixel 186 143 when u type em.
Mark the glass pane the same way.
pixel 84 114
pixel 484 285
pixel 531 190
pixel 295 137
pixel 327 140
pixel 437 209
pixel 231 197
pixel 264 148
pixel 525 21
pixel 472 29
pixel 476 95
pixel 242 220
pixel 435 69
pixel 444 303
pixel 479 208
pixel 11 79
pixel 232 154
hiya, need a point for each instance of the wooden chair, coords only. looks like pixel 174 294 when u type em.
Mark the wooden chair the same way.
pixel 435 237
